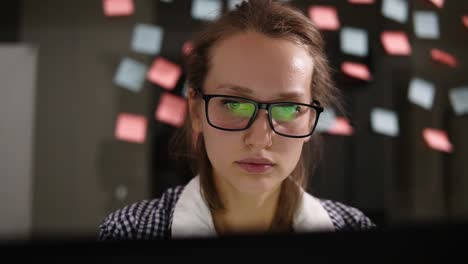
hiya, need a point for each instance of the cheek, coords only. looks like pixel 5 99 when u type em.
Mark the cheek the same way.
pixel 289 151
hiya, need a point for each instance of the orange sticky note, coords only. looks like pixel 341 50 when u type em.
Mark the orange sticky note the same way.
pixel 444 57
pixel 171 109
pixel 118 7
pixel 325 17
pixel 187 48
pixel 437 139
pixel 164 73
pixel 465 20
pixel 361 2
pixel 356 70
pixel 438 3
pixel 396 43
pixel 131 128
pixel 341 127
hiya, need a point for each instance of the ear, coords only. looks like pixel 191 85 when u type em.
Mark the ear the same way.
pixel 194 109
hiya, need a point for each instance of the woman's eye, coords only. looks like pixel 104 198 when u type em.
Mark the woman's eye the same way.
pixel 285 112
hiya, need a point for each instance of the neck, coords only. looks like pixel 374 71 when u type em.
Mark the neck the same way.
pixel 245 212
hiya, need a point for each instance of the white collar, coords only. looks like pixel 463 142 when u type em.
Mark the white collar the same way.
pixel 192 217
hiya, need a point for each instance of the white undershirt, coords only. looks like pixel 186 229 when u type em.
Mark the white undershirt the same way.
pixel 192 217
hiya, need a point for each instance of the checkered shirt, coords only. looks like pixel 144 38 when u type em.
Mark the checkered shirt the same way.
pixel 152 219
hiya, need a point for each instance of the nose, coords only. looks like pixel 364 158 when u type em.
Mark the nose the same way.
pixel 259 134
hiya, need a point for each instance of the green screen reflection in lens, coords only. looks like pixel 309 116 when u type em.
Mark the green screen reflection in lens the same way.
pixel 284 112
pixel 240 109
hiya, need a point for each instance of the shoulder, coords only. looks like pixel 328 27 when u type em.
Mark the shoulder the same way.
pixel 345 217
pixel 147 219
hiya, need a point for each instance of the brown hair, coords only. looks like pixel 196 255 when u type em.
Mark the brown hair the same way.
pixel 276 20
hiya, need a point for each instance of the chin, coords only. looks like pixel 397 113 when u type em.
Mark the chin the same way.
pixel 254 184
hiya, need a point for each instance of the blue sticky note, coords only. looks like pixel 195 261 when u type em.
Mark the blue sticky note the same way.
pixel 326 120
pixel 232 3
pixel 130 74
pixel 396 10
pixel 421 92
pixel 147 39
pixel 426 24
pixel 206 9
pixel 385 122
pixel 459 99
pixel 354 41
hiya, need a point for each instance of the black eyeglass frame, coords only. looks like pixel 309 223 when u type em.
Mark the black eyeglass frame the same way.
pixel 259 106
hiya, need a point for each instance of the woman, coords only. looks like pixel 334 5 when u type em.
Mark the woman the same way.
pixel 258 80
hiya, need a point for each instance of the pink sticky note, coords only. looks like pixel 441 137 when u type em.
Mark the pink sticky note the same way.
pixel 118 7
pixel 465 20
pixel 187 48
pixel 437 139
pixel 171 109
pixel 131 127
pixel 361 2
pixel 356 70
pixel 396 43
pixel 341 127
pixel 325 17
pixel 444 57
pixel 438 3
pixel 164 73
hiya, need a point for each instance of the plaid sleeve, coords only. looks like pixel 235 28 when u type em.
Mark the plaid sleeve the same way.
pixel 347 218
pixel 147 219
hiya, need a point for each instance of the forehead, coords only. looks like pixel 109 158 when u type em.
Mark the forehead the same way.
pixel 266 66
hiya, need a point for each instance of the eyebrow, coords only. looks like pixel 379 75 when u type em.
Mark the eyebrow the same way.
pixel 248 91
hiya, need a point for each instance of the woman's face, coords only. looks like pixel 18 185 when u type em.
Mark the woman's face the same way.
pixel 264 69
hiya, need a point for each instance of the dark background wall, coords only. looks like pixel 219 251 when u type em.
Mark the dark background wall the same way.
pixel 79 165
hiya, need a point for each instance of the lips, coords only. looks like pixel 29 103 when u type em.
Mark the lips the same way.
pixel 255 165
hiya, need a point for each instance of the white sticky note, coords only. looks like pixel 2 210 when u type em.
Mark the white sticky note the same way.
pixel 459 99
pixel 206 9
pixel 396 10
pixel 130 74
pixel 385 122
pixel 147 39
pixel 232 3
pixel 426 24
pixel 354 41
pixel 326 120
pixel 421 92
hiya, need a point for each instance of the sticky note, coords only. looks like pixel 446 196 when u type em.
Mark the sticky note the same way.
pixel 437 139
pixel 171 109
pixel 437 3
pixel 421 92
pixel 444 57
pixel 396 43
pixel 354 41
pixel 131 128
pixel 396 10
pixel 118 7
pixel 164 73
pixel 187 48
pixel 324 17
pixel 185 89
pixel 356 70
pixel 426 24
pixel 147 39
pixel 232 4
pixel 326 120
pixel 465 20
pixel 361 2
pixel 459 99
pixel 385 122
pixel 130 74
pixel 207 10
pixel 341 127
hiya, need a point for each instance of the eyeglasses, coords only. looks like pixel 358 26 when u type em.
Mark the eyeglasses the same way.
pixel 234 113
